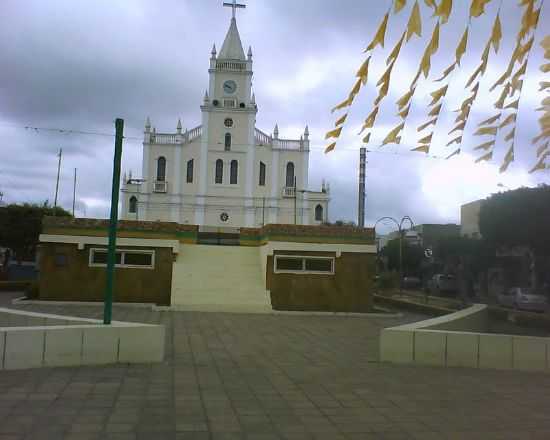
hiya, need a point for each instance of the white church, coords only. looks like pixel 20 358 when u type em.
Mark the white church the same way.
pixel 225 172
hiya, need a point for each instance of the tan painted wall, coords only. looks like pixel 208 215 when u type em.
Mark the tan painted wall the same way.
pixel 78 282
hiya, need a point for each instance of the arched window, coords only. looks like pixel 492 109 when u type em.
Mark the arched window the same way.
pixel 234 172
pixel 290 175
pixel 318 213
pixel 161 169
pixel 227 141
pixel 219 171
pixel 190 171
pixel 132 208
pixel 262 174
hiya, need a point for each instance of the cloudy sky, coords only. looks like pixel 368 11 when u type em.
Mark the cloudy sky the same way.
pixel 78 65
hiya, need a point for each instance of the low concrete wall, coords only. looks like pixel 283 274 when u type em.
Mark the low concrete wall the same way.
pixel 460 340
pixel 80 341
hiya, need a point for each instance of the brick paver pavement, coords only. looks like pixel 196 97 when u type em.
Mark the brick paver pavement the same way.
pixel 263 377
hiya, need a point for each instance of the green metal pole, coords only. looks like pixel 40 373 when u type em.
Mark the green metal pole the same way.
pixel 111 254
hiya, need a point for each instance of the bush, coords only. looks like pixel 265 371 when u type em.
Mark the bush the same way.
pixel 32 291
pixel 388 280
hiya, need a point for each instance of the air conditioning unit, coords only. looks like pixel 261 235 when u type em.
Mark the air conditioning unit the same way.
pixel 160 187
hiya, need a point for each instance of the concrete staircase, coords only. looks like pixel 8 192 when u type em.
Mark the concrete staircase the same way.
pixel 219 279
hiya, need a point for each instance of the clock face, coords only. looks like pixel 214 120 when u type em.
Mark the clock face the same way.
pixel 230 87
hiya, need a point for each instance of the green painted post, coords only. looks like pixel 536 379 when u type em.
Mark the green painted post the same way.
pixel 111 254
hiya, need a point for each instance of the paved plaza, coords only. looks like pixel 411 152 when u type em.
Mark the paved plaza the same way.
pixel 263 377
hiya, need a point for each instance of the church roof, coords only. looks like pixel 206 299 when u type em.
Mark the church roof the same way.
pixel 232 48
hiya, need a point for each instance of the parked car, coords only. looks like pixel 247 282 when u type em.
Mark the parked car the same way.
pixel 442 283
pixel 523 298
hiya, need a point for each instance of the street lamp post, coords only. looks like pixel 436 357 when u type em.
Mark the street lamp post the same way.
pixel 400 229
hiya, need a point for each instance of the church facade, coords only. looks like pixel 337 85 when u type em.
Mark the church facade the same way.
pixel 225 172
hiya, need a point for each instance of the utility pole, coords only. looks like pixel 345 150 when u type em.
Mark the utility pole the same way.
pixel 263 211
pixel 362 181
pixel 111 253
pixel 57 181
pixel 74 190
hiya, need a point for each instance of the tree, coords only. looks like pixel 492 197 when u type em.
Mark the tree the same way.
pixel 412 257
pixel 20 226
pixel 518 218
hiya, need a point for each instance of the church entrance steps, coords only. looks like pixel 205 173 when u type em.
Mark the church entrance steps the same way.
pixel 219 278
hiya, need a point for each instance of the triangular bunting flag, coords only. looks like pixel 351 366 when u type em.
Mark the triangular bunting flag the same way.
pixel 539 166
pixel 459 127
pixel 426 139
pixel 380 34
pixel 509 119
pixel 446 72
pixel 422 149
pixel 341 120
pixel 482 131
pixel 415 22
pixel 508 159
pixel 510 135
pixel 438 94
pixel 485 157
pixel 427 124
pixel 496 34
pixel 542 149
pixel 456 140
pixel 334 133
pixel 330 148
pixel 485 145
pixel 436 110
pixel 454 153
pixel 513 105
pixel 363 71
pixel 444 10
pixel 404 100
pixel 399 4
pixel 343 104
pixel 478 7
pixel 461 48
pixel 393 135
pixel 366 139
pixel 405 112
pixel 490 120
pixel 395 52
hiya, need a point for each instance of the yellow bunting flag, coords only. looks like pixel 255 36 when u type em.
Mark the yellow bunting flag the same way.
pixel 454 153
pixel 330 148
pixel 482 131
pixel 520 72
pixel 544 135
pixel 446 72
pixel 474 75
pixel 459 127
pixel 544 85
pixel 393 135
pixel 485 57
pixel 513 105
pixel 341 120
pixel 510 135
pixel 444 10
pixel 456 140
pixel 463 116
pixel 395 52
pixel 496 34
pixel 426 139
pixel 478 7
pixel 334 133
pixel 434 42
pixel 485 157
pixel 399 4
pixel 545 68
pixel 385 78
pixel 511 118
pixel 504 94
pixel 404 100
pixel 371 118
pixel 504 76
pixel 461 48
pixel 436 110
pixel 485 145
pixel 521 50
pixel 382 92
pixel 425 63
pixel 466 104
pixel 415 22
pixel 540 165
pixel 545 43
pixel 438 94
pixel 516 85
pixel 427 124
pixel 363 71
pixel 405 112
pixel 366 139
pixel 490 120
pixel 431 4
pixel 422 149
pixel 380 34
pixel 355 90
pixel 542 148
pixel 343 104
pixel 508 159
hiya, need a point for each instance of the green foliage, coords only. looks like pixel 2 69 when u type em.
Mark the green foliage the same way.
pixel 341 223
pixel 413 256
pixel 476 255
pixel 20 226
pixel 518 218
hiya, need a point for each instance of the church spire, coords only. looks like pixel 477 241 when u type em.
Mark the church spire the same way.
pixel 232 48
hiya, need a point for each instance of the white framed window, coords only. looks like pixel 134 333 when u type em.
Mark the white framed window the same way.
pixel 231 103
pixel 124 258
pixel 299 264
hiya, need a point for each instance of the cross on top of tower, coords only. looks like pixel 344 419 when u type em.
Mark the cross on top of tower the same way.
pixel 233 5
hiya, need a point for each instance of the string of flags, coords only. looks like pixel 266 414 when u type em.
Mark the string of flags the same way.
pixel 509 84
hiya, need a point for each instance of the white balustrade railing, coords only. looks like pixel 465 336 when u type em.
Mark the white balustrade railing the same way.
pixel 195 133
pixel 231 65
pixel 289 144
pixel 262 138
pixel 289 191
pixel 164 138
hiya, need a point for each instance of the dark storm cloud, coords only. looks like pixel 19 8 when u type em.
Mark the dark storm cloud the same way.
pixel 81 64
